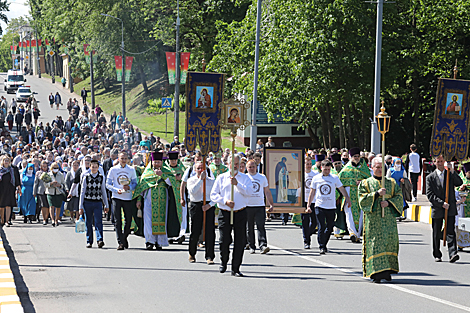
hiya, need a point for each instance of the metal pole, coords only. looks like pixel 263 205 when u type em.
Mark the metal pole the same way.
pixel 22 48
pixel 254 129
pixel 92 82
pixel 70 76
pixel 30 50
pixel 383 170
pixel 166 121
pixel 177 78
pixel 38 58
pixel 375 137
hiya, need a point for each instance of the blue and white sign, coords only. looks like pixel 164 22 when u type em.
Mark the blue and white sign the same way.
pixel 16 62
pixel 166 103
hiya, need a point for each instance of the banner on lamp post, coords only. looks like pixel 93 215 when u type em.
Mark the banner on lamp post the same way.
pixel 118 61
pixel 87 53
pixel 127 74
pixel 184 66
pixel 39 43
pixel 33 43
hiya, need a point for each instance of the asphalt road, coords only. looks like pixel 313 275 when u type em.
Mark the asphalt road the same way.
pixel 54 271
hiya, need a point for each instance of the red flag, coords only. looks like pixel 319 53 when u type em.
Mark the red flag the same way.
pixel 170 62
pixel 33 43
pixel 184 66
pixel 39 43
pixel 128 68
pixel 47 42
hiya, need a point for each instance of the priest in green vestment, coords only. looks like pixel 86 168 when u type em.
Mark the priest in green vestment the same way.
pixel 463 209
pixel 154 191
pixel 380 240
pixel 340 228
pixel 351 175
pixel 177 220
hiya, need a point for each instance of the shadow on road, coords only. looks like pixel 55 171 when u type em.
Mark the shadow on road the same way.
pixel 21 288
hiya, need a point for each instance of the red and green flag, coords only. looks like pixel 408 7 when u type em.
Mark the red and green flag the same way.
pixel 39 43
pixel 118 61
pixel 48 45
pixel 12 50
pixel 127 74
pixel 184 64
pixel 33 43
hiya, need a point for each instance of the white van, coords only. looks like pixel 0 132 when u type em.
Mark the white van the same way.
pixel 14 80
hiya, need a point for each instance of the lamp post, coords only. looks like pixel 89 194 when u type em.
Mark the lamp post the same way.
pixel 123 64
pixel 383 124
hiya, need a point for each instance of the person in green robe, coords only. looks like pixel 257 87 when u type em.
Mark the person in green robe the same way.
pixel 173 171
pixel 463 208
pixel 380 240
pixel 217 167
pixel 351 175
pixel 153 190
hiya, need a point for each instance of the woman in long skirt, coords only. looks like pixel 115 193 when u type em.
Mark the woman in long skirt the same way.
pixel 26 201
pixel 9 184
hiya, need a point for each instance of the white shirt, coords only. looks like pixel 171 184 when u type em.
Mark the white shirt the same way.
pixel 308 183
pixel 441 176
pixel 118 174
pixel 325 187
pixel 414 162
pixel 222 190
pixel 195 189
pixel 259 183
pixel 186 174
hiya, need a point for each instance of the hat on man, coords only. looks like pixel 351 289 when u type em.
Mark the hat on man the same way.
pixel 157 156
pixel 335 157
pixel 319 157
pixel 354 151
pixel 173 155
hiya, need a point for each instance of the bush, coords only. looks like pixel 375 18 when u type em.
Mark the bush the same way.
pixel 155 105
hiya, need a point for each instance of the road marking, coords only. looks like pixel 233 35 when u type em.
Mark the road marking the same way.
pixel 396 287
pixel 9 300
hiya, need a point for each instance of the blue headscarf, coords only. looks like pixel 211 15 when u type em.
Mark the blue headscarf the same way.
pixel 25 171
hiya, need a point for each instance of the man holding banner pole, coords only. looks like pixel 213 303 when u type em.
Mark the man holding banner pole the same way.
pixel 221 194
pixel 440 186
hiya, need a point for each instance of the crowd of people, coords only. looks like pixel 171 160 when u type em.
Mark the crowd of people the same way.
pixel 101 169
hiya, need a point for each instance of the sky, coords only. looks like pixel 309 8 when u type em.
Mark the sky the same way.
pixel 17 8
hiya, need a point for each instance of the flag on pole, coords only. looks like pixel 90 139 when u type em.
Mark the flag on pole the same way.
pixel 118 61
pixel 14 49
pixel 33 43
pixel 184 66
pixel 48 45
pixel 95 57
pixel 127 74
pixel 170 62
pixel 87 53
pixel 39 43
pixel 11 50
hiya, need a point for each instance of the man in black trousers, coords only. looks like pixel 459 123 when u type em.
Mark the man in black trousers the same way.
pixel 196 212
pixel 436 193
pixel 221 194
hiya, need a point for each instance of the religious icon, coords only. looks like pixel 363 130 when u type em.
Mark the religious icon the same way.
pixel 204 94
pixel 454 104
pixel 233 115
pixel 285 173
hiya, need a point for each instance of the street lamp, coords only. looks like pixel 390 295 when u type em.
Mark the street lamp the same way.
pixel 383 124
pixel 123 64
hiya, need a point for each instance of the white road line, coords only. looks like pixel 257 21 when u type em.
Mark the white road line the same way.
pixel 396 287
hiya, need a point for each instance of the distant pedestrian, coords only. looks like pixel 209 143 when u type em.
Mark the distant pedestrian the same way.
pixel 413 165
pixel 63 80
pixel 83 93
pixel 58 100
pixel 51 100
pixel 270 143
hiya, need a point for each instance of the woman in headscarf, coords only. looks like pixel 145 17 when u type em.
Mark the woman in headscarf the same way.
pixel 26 201
pixel 398 173
pixel 9 183
pixel 39 191
pixel 55 192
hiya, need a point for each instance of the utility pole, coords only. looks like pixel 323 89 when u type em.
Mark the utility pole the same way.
pixel 375 135
pixel 30 47
pixel 70 75
pixel 123 81
pixel 38 58
pixel 254 128
pixel 92 82
pixel 177 70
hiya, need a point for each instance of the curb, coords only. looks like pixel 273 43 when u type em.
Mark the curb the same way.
pixel 9 300
pixel 419 213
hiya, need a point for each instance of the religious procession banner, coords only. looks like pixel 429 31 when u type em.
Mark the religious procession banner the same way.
pixel 204 98
pixel 451 119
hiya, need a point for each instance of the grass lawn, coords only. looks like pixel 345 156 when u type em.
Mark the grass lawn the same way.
pixel 136 103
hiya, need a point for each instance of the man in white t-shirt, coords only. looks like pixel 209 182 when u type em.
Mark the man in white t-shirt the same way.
pixel 256 207
pixel 322 192
pixel 309 220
